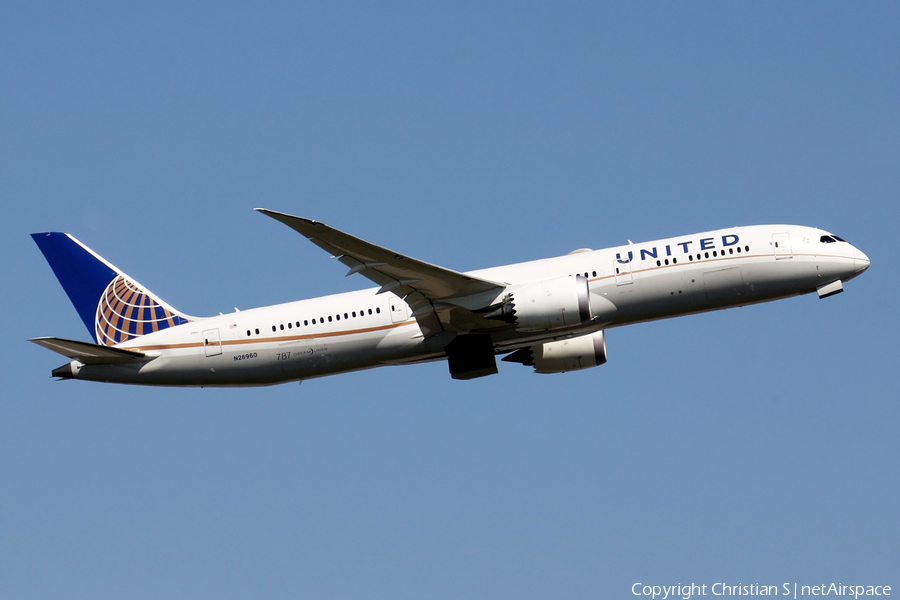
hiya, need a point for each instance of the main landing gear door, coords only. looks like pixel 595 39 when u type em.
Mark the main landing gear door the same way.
pixel 211 342
pixel 781 244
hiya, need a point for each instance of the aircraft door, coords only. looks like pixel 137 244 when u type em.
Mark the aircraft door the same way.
pixel 781 244
pixel 398 310
pixel 211 342
pixel 623 270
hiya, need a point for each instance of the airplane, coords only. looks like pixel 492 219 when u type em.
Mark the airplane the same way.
pixel 549 314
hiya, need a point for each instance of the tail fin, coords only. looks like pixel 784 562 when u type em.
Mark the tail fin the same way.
pixel 114 307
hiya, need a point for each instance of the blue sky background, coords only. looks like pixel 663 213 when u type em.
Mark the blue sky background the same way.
pixel 754 445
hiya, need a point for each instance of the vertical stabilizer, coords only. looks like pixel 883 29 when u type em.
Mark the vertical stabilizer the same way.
pixel 114 307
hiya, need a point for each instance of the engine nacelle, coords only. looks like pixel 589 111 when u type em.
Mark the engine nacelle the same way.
pixel 574 354
pixel 546 305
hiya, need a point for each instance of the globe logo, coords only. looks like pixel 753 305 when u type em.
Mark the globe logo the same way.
pixel 125 311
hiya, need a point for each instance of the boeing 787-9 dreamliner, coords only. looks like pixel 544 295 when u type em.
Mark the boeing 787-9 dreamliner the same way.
pixel 549 314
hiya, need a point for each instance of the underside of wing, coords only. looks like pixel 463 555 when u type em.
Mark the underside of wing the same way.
pixel 441 299
pixel 88 353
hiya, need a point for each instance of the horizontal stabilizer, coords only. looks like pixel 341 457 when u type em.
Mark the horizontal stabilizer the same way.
pixel 90 354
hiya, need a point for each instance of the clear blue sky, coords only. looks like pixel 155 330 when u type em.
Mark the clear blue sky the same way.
pixel 754 445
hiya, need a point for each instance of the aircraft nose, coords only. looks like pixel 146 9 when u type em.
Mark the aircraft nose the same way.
pixel 860 260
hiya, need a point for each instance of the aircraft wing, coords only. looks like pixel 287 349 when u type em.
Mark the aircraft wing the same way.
pixel 89 354
pixel 431 291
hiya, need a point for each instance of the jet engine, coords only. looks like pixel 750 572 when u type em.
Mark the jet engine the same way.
pixel 574 354
pixel 545 305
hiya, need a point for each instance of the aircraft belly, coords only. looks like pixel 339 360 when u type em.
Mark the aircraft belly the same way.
pixel 120 373
pixel 723 286
pixel 401 345
pixel 191 368
pixel 671 292
pixel 269 363
pixel 317 357
pixel 831 268
pixel 340 354
pixel 655 295
pixel 701 287
pixel 768 280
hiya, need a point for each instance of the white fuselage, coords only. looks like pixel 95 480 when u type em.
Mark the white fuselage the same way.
pixel 363 329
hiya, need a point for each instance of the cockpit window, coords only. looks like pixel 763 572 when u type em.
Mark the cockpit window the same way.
pixel 830 239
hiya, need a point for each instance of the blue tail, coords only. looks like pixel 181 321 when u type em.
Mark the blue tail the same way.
pixel 114 307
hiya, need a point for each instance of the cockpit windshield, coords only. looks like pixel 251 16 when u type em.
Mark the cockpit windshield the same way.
pixel 830 239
